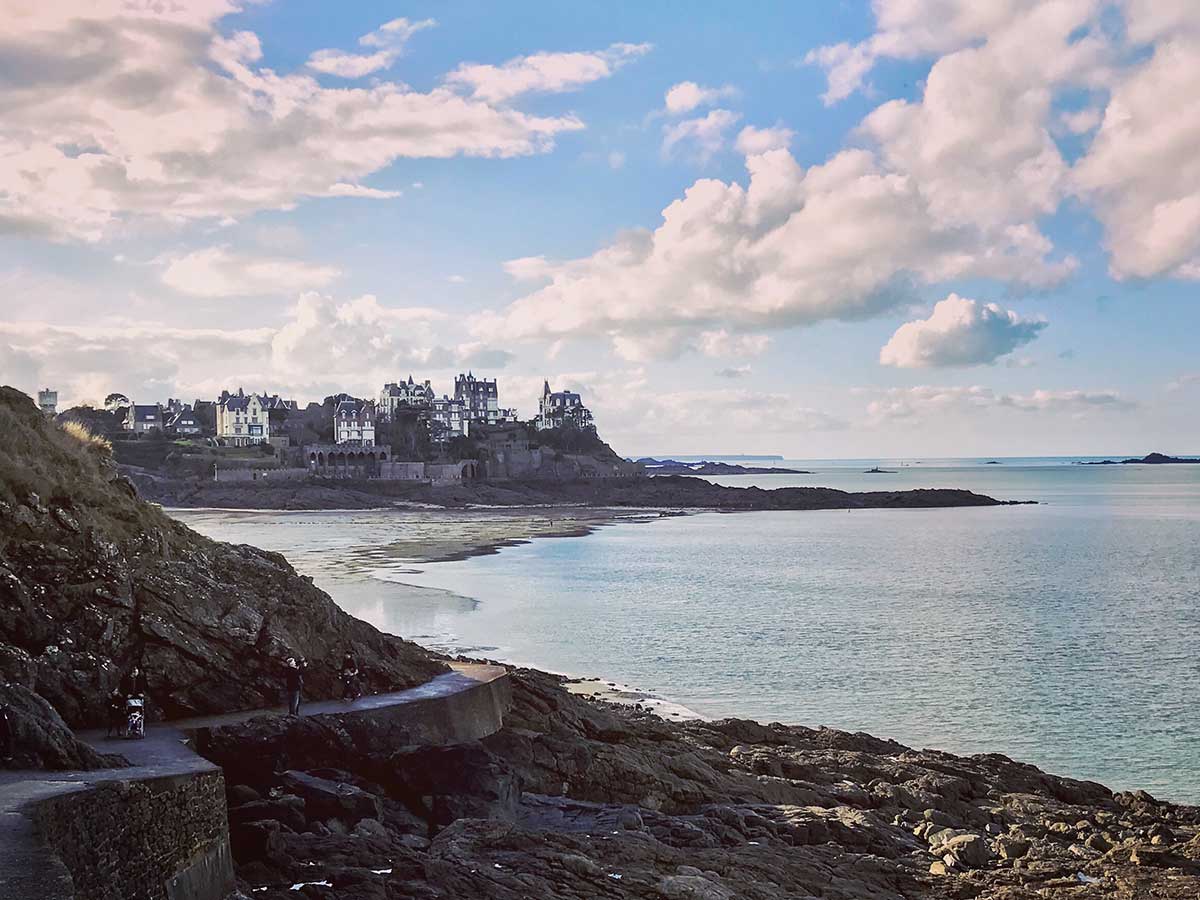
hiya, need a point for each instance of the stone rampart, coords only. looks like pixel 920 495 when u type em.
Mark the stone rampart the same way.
pixel 161 838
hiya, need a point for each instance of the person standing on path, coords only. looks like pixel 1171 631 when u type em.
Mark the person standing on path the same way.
pixel 295 684
pixel 350 687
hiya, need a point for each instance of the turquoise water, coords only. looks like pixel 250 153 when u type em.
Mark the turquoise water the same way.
pixel 1064 634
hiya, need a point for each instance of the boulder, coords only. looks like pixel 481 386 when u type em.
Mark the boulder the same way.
pixel 324 799
pixel 38 738
pixel 448 783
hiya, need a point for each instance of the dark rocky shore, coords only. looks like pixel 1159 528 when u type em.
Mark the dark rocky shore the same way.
pixel 582 799
pixel 572 798
pixel 659 492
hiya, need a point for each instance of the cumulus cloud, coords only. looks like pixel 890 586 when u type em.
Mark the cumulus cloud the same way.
pixel 116 112
pixel 960 332
pixel 389 39
pixel 752 141
pixel 926 402
pixel 914 29
pixel 844 240
pixel 322 345
pixel 1142 173
pixel 687 96
pixel 222 272
pixel 703 136
pixel 548 73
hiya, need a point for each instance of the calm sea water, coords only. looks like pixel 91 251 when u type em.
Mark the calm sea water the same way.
pixel 1064 634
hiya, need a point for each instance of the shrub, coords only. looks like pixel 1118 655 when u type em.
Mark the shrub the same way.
pixel 96 443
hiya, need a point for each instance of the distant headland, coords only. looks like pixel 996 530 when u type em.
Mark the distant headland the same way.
pixel 1151 459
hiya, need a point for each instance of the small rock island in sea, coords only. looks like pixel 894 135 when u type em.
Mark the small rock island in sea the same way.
pixel 557 797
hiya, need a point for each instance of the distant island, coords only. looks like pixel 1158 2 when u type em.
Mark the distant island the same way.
pixel 706 467
pixel 878 471
pixel 1152 459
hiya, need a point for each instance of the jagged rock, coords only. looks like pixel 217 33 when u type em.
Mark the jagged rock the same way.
pixel 449 783
pixel 40 739
pixel 325 800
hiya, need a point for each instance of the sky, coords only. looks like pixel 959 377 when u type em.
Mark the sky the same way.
pixel 847 229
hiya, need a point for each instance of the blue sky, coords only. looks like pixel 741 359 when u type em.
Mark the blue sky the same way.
pixel 913 227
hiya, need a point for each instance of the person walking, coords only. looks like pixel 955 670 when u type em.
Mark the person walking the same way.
pixel 295 684
pixel 349 675
pixel 133 683
pixel 116 714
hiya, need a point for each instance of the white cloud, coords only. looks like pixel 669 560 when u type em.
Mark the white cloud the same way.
pixel 927 403
pixel 842 240
pixel 1184 381
pixel 1142 173
pixel 914 29
pixel 222 272
pixel 116 112
pixel 704 136
pixel 616 159
pixel 321 345
pixel 960 332
pixel 978 139
pixel 542 72
pixel 687 96
pixel 389 38
pixel 456 279
pixel 752 141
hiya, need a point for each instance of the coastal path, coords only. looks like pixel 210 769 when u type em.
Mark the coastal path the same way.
pixel 467 703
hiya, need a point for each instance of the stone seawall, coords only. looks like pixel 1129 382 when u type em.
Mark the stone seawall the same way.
pixel 159 839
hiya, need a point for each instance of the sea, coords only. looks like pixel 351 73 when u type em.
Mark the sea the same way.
pixel 1066 633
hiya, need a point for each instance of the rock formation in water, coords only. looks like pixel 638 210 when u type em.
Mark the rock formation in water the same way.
pixel 93 580
pixel 659 492
pixel 576 799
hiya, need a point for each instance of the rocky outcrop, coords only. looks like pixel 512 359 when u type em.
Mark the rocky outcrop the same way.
pixel 36 737
pixel 93 581
pixel 659 492
pixel 615 802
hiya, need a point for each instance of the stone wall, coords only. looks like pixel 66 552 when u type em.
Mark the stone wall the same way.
pixel 160 839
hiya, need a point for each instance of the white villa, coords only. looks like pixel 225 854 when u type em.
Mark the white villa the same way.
pixel 404 395
pixel 558 408
pixel 244 419
pixel 354 423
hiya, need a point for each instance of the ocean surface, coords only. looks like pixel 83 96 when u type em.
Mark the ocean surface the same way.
pixel 1066 634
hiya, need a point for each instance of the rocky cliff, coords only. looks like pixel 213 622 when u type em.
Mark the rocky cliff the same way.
pixel 93 580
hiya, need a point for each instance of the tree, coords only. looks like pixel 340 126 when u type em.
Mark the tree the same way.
pixel 115 401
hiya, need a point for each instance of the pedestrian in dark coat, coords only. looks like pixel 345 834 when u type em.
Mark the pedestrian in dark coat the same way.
pixel 295 684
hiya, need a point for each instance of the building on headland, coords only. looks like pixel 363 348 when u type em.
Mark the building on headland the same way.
pixel 243 419
pixel 448 419
pixel 480 398
pixel 184 423
pixel 559 408
pixel 403 395
pixel 354 423
pixel 48 401
pixel 143 418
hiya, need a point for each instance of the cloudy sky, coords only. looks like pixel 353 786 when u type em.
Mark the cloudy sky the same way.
pixel 889 228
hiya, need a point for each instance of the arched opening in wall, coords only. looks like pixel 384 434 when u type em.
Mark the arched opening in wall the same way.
pixel 321 460
pixel 470 470
pixel 340 465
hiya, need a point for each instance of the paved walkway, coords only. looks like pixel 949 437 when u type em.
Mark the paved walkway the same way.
pixel 28 870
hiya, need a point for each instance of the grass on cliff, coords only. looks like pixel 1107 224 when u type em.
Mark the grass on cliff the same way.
pixel 65 465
